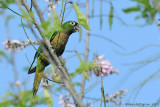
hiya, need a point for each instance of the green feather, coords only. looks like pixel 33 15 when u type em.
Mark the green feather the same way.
pixel 40 51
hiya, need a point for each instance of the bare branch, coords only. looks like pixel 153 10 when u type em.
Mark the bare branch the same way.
pixel 86 49
pixel 38 11
pixel 33 18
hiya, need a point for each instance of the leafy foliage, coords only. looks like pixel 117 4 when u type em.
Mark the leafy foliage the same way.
pixel 10 1
pixel 21 100
pixel 145 8
pixel 85 66
pixel 132 9
pixel 3 54
pixel 81 17
pixel 3 3
pixel 9 17
pixel 48 98
pixel 111 16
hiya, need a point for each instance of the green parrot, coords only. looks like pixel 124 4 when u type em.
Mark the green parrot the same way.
pixel 58 41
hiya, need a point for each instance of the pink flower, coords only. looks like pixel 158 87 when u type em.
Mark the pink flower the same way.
pixel 105 67
pixel 6 46
pixel 15 44
pixel 18 83
pixel 47 0
pixel 65 101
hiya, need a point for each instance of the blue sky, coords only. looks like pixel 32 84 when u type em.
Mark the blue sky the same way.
pixel 130 37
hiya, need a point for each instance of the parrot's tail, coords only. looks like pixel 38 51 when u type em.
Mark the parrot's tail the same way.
pixel 37 80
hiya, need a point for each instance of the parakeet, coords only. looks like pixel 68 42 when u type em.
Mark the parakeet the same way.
pixel 58 40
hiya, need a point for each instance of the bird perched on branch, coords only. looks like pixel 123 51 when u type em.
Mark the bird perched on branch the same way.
pixel 58 40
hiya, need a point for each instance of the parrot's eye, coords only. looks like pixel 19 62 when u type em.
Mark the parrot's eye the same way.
pixel 72 23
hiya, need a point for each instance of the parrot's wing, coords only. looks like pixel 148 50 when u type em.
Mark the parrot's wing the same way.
pixel 35 56
pixel 52 37
pixel 38 53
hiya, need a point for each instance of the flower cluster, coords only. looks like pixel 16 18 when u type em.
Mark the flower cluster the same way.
pixel 105 67
pixel 15 44
pixel 52 6
pixel 114 98
pixel 65 101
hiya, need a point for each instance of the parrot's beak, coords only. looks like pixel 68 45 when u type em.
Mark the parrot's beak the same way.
pixel 76 28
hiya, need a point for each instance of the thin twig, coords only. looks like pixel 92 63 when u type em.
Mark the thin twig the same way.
pixel 121 20
pixel 51 80
pixel 40 14
pixel 12 61
pixel 109 40
pixel 86 50
pixel 31 5
pixel 102 90
pixel 30 40
pixel 29 23
pixel 14 11
pixel 33 18
pixel 63 11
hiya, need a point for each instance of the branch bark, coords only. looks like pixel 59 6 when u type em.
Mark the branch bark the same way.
pixel 29 23
pixel 33 18
pixel 55 62
pixel 38 11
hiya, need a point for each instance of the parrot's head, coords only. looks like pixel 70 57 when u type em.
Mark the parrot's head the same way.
pixel 70 27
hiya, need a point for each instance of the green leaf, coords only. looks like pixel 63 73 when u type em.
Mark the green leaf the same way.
pixel 111 16
pixel 45 25
pixel 57 23
pixel 3 3
pixel 81 17
pixel 3 54
pixel 8 94
pixel 25 25
pixel 73 74
pixel 10 1
pixel 131 9
pixel 85 66
pixel 48 98
pixel 26 15
pixel 9 17
pixel 31 14
pixel 6 103
pixel 79 57
pixel 85 73
pixel 77 83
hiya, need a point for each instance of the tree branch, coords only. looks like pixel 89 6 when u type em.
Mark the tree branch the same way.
pixel 33 18
pixel 29 23
pixel 86 50
pixel 38 11
pixel 54 60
